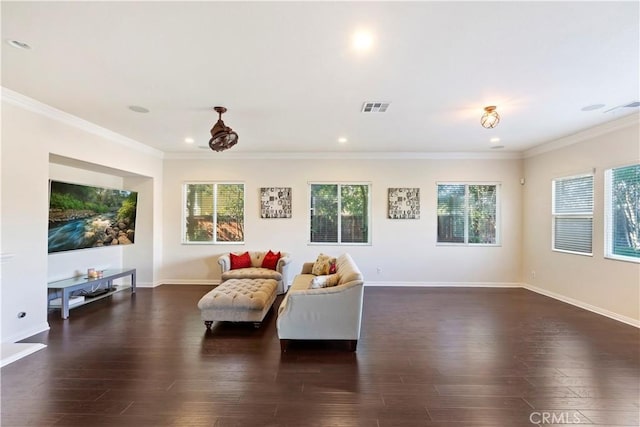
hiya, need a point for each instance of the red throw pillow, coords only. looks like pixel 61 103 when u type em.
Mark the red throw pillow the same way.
pixel 270 260
pixel 333 267
pixel 240 261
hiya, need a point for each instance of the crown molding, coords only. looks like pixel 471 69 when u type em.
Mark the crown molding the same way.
pixel 336 155
pixel 605 128
pixel 38 107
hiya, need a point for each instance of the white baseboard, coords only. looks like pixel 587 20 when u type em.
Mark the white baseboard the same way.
pixel 10 352
pixel 26 333
pixel 206 282
pixel 148 284
pixel 598 310
pixel 446 284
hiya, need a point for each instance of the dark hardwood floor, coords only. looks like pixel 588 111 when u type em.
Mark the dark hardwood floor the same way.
pixel 427 357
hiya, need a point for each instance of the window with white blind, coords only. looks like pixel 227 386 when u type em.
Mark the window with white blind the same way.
pixel 468 214
pixel 339 213
pixel 572 211
pixel 213 213
pixel 622 213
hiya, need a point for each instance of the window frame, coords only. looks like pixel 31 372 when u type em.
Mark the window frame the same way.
pixel 215 184
pixel 339 229
pixel 608 216
pixel 583 215
pixel 466 184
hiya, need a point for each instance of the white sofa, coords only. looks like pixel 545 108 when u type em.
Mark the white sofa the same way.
pixel 256 271
pixel 332 313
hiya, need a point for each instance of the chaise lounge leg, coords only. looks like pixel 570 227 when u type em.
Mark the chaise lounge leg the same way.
pixel 284 345
pixel 208 324
pixel 352 345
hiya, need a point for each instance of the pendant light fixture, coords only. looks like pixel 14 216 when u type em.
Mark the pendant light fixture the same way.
pixel 222 137
pixel 490 118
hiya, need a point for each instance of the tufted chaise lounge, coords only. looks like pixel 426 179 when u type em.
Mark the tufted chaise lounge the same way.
pixel 256 271
pixel 238 300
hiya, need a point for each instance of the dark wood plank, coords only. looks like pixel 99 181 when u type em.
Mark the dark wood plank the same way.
pixel 430 357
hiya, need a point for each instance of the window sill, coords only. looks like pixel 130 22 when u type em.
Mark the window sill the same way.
pixel 572 252
pixel 623 259
pixel 337 244
pixel 212 243
pixel 483 245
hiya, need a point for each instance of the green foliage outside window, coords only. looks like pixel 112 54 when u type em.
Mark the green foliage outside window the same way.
pixel 214 206
pixel 625 210
pixel 467 213
pixel 343 207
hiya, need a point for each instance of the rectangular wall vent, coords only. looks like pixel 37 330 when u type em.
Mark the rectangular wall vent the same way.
pixel 375 107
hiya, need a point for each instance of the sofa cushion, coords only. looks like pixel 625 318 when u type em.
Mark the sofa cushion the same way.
pixel 326 281
pixel 251 273
pixel 322 266
pixel 240 261
pixel 347 270
pixel 270 260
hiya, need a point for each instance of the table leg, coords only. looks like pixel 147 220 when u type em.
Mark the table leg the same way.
pixel 64 309
pixel 133 282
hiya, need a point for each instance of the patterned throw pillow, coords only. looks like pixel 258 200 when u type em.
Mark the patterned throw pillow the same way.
pixel 270 260
pixel 322 265
pixel 240 261
pixel 326 281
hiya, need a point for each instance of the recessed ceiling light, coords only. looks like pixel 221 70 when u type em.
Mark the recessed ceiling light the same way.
pixel 138 109
pixel 497 147
pixel 342 140
pixel 362 40
pixel 189 140
pixel 592 107
pixel 494 140
pixel 18 44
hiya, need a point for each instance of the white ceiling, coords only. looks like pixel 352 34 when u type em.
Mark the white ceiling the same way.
pixel 293 83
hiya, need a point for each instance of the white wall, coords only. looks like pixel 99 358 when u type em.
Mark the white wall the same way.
pixel 608 286
pixel 30 133
pixel 405 250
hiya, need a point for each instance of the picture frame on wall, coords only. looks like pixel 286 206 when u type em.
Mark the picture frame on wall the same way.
pixel 275 202
pixel 404 203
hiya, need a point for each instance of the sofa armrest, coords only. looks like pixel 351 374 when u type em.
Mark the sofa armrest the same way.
pixel 283 262
pixel 225 263
pixel 307 268
pixel 283 268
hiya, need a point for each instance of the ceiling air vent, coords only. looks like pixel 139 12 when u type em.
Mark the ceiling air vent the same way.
pixel 634 104
pixel 375 107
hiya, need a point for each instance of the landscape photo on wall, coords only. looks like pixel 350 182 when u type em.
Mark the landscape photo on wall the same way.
pixel 82 216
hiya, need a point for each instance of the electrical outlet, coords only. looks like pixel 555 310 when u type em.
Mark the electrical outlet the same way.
pixel 378 270
pixel 533 274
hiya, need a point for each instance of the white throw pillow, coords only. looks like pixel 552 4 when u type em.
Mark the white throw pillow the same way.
pixel 325 281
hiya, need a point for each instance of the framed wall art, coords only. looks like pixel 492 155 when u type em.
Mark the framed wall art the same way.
pixel 275 202
pixel 83 216
pixel 404 203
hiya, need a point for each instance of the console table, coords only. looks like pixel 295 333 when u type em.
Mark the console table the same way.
pixel 108 276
